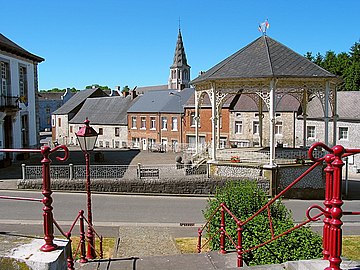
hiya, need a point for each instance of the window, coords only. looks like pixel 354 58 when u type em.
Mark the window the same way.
pixel 59 122
pixel 343 133
pixel 310 132
pixel 117 144
pixel 71 129
pixel 143 122
pixel 152 123
pixel 117 132
pixel 133 122
pixel 163 123
pixel 278 128
pixel 101 144
pixel 192 119
pixel 174 123
pixel 238 127
pixel 48 110
pixel 100 131
pixel 23 84
pixel 25 130
pixel 107 144
pixel 5 77
pixel 256 127
pixel 238 114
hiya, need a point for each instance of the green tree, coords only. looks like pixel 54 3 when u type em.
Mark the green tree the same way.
pixel 125 89
pixel 244 198
pixel 97 86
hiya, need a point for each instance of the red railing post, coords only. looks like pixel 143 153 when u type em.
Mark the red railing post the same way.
pixel 199 240
pixel 70 259
pixel 47 201
pixel 239 245
pixel 222 229
pixel 336 211
pixel 327 202
pixel 82 238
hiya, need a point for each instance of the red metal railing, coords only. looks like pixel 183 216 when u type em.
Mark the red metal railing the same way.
pixel 49 221
pixel 332 232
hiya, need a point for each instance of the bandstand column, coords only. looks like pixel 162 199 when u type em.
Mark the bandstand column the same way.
pixel 334 115
pixel 218 122
pixel 260 106
pixel 197 122
pixel 304 107
pixel 326 116
pixel 213 122
pixel 272 122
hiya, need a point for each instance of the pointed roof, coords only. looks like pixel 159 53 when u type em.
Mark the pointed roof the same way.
pixel 180 56
pixel 11 47
pixel 264 58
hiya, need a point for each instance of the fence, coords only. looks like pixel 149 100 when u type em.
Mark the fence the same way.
pixel 116 171
pixel 332 230
pixel 49 221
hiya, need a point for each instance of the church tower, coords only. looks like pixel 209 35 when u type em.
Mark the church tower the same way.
pixel 179 71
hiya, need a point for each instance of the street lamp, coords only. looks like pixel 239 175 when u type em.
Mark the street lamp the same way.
pixel 87 137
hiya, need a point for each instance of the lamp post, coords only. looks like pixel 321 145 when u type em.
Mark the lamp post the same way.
pixel 87 137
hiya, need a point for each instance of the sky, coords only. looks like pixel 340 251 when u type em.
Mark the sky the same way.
pixel 118 42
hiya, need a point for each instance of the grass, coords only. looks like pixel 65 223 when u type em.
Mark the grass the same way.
pixel 350 249
pixel 108 246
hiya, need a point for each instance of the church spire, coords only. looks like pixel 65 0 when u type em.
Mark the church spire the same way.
pixel 180 70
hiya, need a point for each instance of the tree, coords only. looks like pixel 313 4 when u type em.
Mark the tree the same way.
pixel 97 86
pixel 125 89
pixel 244 198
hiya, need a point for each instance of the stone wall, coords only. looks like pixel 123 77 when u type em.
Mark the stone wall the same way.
pixel 188 185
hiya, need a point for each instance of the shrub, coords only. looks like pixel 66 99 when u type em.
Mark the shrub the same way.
pixel 244 198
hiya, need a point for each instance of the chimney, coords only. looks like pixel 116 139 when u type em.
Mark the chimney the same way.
pixel 133 93
pixel 118 90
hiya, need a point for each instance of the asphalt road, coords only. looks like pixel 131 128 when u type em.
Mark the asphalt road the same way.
pixel 111 211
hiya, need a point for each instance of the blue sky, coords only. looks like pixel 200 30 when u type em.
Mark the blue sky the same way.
pixel 118 42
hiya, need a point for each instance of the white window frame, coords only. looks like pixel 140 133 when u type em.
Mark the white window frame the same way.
pixel 143 122
pixel 343 133
pixel 256 127
pixel 278 128
pixel 174 123
pixel 238 127
pixel 163 123
pixel 133 122
pixel 152 123
pixel 310 132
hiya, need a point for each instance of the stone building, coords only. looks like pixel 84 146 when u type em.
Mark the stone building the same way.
pixel 19 124
pixel 108 116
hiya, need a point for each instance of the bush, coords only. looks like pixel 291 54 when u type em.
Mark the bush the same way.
pixel 243 199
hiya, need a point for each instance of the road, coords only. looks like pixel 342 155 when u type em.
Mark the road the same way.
pixel 112 210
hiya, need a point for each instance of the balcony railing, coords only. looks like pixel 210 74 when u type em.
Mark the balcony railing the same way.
pixel 9 101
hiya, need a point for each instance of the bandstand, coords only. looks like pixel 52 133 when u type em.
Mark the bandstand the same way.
pixel 266 71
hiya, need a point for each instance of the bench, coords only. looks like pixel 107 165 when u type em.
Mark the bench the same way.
pixel 148 173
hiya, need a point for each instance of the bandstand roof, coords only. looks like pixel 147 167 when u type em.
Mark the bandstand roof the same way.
pixel 264 58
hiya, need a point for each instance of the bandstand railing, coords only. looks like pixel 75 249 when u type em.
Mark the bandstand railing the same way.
pixel 332 230
pixel 48 219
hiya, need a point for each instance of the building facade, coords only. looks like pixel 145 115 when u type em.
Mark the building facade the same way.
pixel 19 124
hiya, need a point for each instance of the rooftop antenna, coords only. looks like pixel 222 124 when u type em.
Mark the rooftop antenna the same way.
pixel 263 27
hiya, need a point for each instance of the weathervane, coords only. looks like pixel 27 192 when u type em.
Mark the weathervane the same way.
pixel 263 27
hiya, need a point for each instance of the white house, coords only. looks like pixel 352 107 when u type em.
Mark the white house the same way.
pixel 19 124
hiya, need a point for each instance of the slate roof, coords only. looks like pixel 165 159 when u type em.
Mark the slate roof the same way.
pixel 348 104
pixel 104 110
pixel 142 89
pixel 264 58
pixel 162 101
pixel 206 101
pixel 11 47
pixel 50 95
pixel 78 99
